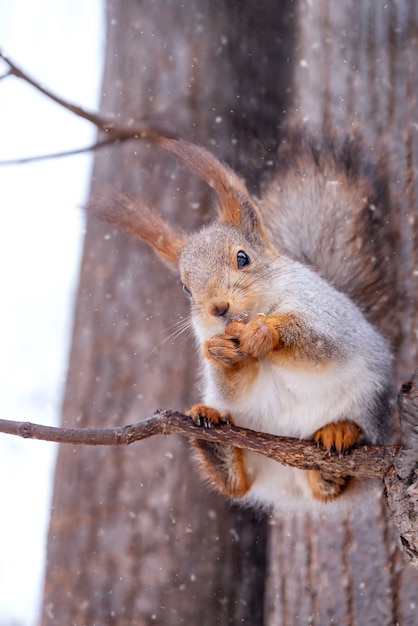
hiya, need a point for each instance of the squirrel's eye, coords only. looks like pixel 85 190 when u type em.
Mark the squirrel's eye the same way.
pixel 242 259
pixel 187 291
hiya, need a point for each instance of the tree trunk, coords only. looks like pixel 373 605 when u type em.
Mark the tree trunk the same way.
pixel 355 71
pixel 135 536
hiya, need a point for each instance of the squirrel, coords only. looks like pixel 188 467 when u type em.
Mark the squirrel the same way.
pixel 285 295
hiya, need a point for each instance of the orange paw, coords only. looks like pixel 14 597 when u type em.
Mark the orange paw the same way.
pixel 222 350
pixel 338 436
pixel 208 417
pixel 256 338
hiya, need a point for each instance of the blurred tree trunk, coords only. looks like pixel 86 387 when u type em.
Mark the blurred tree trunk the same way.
pixel 135 537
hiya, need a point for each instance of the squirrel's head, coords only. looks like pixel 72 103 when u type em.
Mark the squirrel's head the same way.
pixel 226 274
pixel 224 267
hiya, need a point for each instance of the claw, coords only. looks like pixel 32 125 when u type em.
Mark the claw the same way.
pixel 338 437
pixel 207 417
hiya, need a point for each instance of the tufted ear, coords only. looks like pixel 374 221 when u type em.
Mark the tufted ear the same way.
pixel 235 204
pixel 132 216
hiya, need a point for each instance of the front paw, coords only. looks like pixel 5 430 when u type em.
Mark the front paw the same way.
pixel 222 350
pixel 208 417
pixel 256 338
pixel 338 436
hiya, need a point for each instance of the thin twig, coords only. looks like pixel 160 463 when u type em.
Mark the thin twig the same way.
pixel 114 132
pixel 364 461
pixel 5 75
pixel 57 155
pixel 97 120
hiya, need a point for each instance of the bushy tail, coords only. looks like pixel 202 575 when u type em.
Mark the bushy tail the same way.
pixel 329 209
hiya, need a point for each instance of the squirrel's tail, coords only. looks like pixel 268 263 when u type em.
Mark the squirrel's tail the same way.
pixel 328 208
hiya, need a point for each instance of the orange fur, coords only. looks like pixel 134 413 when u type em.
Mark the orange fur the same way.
pixel 279 338
pixel 133 217
pixel 218 175
pixel 200 412
pixel 223 464
pixel 235 204
pixel 340 437
pixel 260 336
pixel 234 371
pixel 238 378
pixel 326 489
pixel 222 350
pixel 267 333
pixel 228 477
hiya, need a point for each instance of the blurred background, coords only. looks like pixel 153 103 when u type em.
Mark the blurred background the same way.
pixel 60 44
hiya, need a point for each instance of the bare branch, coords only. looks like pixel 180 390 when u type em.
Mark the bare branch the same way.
pixel 140 130
pixel 5 75
pixel 57 155
pixel 364 461
pixel 98 121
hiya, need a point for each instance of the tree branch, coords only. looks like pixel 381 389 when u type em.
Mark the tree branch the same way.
pixel 114 133
pixel 364 461
pixel 97 120
pixel 58 155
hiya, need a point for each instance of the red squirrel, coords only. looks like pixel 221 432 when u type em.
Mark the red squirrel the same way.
pixel 283 293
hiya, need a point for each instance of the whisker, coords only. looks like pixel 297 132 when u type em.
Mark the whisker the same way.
pixel 181 327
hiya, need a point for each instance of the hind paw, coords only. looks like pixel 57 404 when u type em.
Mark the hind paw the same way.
pixel 338 436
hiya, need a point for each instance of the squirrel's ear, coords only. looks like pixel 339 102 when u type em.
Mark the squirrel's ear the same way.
pixel 135 218
pixel 235 204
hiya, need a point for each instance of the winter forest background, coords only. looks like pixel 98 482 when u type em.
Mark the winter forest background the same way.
pixel 61 43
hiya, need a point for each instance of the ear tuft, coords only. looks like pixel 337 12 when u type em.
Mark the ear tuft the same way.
pixel 235 204
pixel 203 163
pixel 133 217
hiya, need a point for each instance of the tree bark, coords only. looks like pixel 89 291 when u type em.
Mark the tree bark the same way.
pixel 140 539
pixel 355 71
pixel 401 483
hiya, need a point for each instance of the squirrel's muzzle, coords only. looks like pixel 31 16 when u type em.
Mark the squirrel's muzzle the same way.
pixel 219 309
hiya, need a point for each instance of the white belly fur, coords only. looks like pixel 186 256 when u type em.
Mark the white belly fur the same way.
pixel 292 403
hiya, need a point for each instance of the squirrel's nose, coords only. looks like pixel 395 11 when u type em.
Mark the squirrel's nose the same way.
pixel 219 308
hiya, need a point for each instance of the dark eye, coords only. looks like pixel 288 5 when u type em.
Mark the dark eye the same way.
pixel 187 291
pixel 242 259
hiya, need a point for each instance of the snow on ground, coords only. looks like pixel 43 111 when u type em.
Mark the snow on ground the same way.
pixel 59 42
